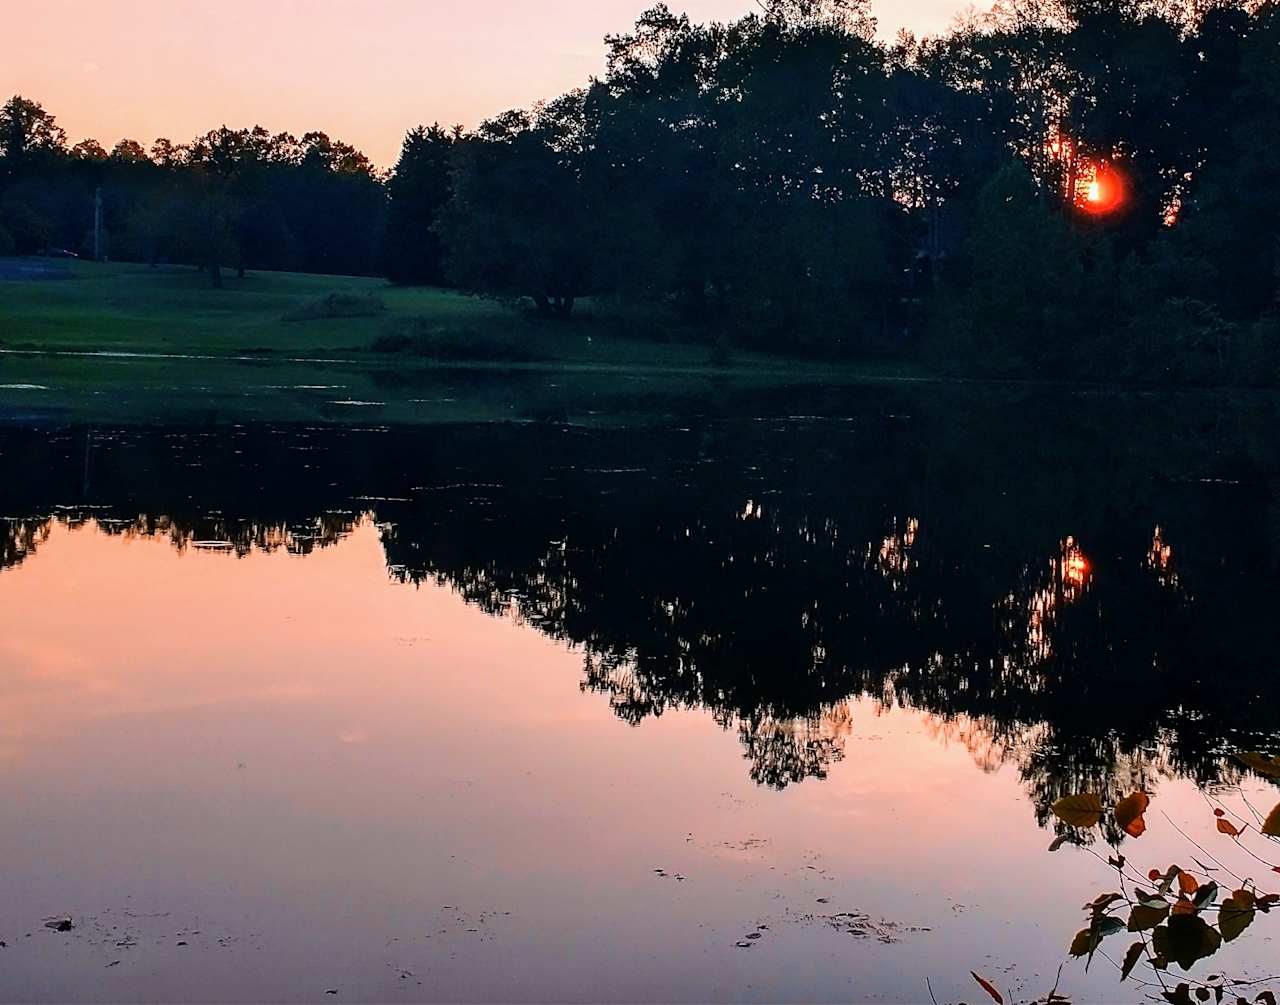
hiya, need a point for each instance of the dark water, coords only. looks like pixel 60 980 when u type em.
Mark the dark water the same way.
pixel 764 701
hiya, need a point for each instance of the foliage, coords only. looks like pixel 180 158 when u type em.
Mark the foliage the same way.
pixel 521 221
pixel 1062 190
pixel 428 338
pixel 338 305
pixel 239 198
pixel 418 190
pixel 1180 917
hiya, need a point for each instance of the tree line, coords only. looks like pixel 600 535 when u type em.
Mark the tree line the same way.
pixel 710 564
pixel 229 198
pixel 1073 188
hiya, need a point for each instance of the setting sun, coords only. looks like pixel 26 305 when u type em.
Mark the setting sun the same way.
pixel 1102 188
pixel 639 500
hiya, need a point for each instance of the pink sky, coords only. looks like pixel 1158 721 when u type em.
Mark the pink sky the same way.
pixel 362 70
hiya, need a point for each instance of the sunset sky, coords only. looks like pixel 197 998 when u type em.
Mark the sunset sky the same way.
pixel 364 72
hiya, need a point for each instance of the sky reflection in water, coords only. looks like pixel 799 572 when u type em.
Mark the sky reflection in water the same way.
pixel 326 765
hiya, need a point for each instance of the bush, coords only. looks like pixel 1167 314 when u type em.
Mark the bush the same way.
pixel 430 340
pixel 1186 342
pixel 721 351
pixel 338 305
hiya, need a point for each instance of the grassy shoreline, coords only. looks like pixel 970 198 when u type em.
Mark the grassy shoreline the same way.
pixel 172 311
pixel 125 342
pixel 128 343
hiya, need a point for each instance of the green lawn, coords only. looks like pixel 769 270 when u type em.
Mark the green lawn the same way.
pixel 133 308
pixel 249 361
pixel 175 310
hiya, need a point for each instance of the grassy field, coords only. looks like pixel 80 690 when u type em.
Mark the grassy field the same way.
pixel 125 342
pixel 175 310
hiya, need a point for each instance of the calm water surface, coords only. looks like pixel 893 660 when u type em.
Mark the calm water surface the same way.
pixel 739 705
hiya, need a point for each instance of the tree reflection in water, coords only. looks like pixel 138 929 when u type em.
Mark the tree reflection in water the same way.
pixel 1090 606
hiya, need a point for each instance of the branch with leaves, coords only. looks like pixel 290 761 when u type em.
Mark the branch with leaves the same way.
pixel 1180 917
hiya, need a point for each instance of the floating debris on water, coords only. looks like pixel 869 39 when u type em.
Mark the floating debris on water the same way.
pixel 863 926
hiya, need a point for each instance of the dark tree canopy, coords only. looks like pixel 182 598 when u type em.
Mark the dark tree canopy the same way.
pixel 237 198
pixel 1057 188
pixel 418 190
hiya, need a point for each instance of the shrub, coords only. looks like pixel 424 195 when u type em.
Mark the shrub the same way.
pixel 338 305
pixel 425 338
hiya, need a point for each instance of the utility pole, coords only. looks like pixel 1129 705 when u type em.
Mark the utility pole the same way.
pixel 97 224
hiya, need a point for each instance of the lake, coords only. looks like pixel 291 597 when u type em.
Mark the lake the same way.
pixel 763 697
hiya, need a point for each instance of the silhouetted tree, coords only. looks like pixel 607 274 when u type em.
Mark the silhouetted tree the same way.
pixel 417 192
pixel 1077 188
pixel 520 223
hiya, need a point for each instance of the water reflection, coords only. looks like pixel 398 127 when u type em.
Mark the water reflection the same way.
pixel 1024 595
pixel 909 586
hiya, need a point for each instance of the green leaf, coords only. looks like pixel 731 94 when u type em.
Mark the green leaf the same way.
pixel 1234 917
pixel 1166 881
pixel 1205 895
pixel 1079 811
pixel 1186 940
pixel 1145 917
pixel 1087 940
pixel 1131 959
pixel 1102 902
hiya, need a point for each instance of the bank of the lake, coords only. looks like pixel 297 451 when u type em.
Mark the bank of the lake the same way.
pixel 81 307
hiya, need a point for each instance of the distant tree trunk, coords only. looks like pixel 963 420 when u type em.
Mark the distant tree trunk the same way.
pixel 240 271
pixel 215 273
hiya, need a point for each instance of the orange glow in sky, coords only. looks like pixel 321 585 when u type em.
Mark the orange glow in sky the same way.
pixel 1103 188
pixel 363 72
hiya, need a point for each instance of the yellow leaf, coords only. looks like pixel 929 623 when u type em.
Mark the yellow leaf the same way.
pixel 1129 813
pixel 989 988
pixel 1261 763
pixel 1226 827
pixel 1187 884
pixel 1271 827
pixel 1079 811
